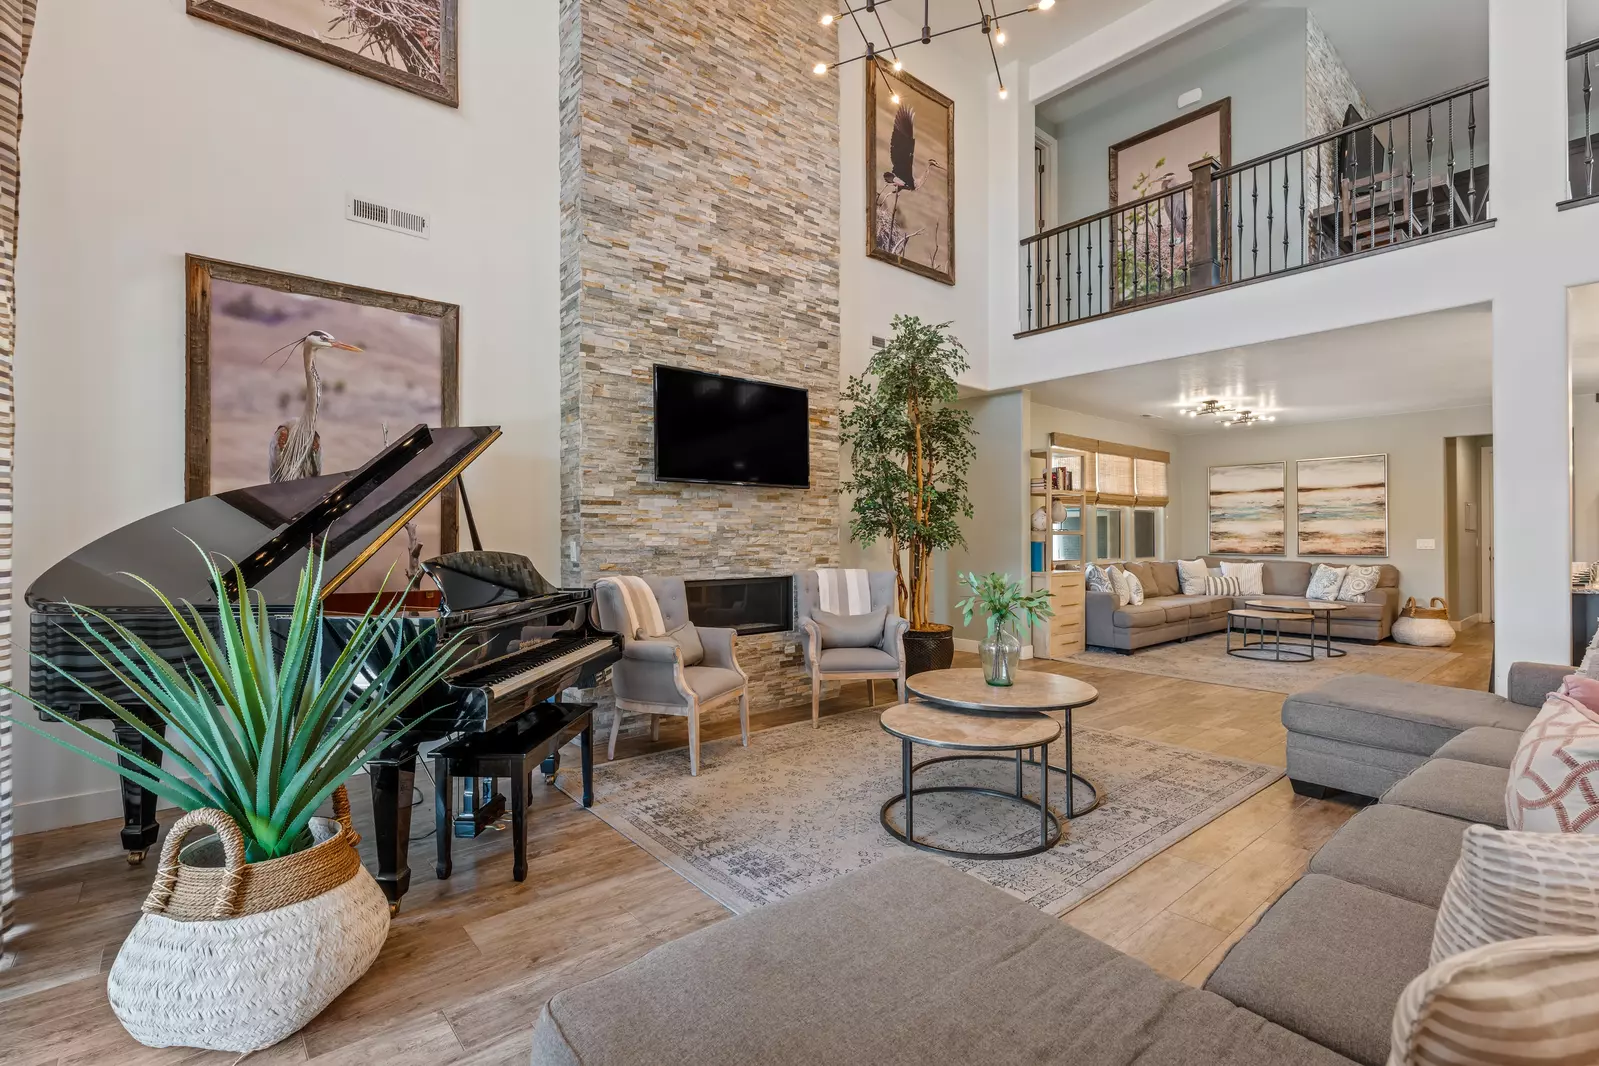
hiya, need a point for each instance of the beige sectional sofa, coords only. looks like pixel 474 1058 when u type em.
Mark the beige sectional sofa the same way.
pixel 1167 615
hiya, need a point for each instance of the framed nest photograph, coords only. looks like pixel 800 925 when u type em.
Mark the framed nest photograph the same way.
pixel 910 173
pixel 410 44
pixel 292 377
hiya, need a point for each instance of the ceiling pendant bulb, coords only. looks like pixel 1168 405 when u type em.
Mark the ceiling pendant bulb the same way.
pixel 827 20
pixel 999 38
pixel 1045 5
pixel 1003 92
pixel 898 66
pixel 894 99
pixel 988 22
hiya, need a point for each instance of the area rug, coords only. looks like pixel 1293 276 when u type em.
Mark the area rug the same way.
pixel 1205 659
pixel 800 807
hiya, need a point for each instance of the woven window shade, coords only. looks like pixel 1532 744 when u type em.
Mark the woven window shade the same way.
pixel 1149 478
pixel 1114 478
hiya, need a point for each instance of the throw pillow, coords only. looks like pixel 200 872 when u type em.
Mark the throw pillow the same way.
pixel 687 639
pixel 1118 584
pixel 1145 576
pixel 1590 658
pixel 1249 575
pixel 1221 586
pixel 1528 1001
pixel 1135 588
pixel 1359 580
pixel 1554 778
pixel 1506 886
pixel 1325 582
pixel 1167 583
pixel 851 630
pixel 1098 579
pixel 1192 573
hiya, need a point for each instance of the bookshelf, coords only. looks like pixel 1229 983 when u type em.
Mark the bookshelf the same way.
pixel 1060 479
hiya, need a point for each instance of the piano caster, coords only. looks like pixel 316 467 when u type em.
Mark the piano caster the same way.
pixel 549 779
pixel 136 858
pixel 394 908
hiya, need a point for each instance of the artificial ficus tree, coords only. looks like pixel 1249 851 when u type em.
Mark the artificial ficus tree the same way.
pixel 911 449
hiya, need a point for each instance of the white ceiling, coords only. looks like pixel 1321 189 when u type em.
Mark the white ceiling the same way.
pixel 1029 37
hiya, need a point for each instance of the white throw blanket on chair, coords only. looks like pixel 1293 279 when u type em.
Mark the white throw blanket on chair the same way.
pixel 843 591
pixel 638 600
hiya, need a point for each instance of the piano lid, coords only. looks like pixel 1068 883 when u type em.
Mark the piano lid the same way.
pixel 267 529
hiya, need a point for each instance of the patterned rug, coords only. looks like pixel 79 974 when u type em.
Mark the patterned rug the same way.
pixel 1205 659
pixel 800 806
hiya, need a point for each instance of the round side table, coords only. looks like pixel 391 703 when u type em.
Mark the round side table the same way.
pixel 940 727
pixel 1322 609
pixel 1034 692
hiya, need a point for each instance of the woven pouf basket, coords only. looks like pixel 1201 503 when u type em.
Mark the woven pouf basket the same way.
pixel 239 956
pixel 1424 632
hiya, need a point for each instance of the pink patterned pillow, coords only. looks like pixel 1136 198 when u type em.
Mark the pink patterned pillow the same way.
pixel 1554 779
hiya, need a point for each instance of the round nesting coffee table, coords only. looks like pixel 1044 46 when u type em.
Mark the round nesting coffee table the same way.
pixel 1034 691
pixel 942 727
pixel 1322 609
pixel 1280 652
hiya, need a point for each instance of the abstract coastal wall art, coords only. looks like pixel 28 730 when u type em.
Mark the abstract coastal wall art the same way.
pixel 1248 509
pixel 1343 505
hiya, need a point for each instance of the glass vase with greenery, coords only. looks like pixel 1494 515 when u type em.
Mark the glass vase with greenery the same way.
pixel 1005 604
pixel 911 447
pixel 259 726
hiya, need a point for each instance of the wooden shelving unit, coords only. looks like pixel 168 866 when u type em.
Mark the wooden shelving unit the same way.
pixel 1060 479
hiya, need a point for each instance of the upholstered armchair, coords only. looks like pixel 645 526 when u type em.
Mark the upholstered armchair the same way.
pixel 838 648
pixel 686 671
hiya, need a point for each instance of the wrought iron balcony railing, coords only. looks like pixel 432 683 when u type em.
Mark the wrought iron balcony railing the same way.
pixel 1411 174
pixel 1580 64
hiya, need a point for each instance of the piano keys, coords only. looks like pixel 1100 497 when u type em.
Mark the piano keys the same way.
pixel 525 639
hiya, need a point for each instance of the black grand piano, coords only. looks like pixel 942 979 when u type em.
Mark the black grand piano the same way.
pixel 525 639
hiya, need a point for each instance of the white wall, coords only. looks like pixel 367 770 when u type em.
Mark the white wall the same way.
pixel 150 134
pixel 1416 480
pixel 997 534
pixel 1585 478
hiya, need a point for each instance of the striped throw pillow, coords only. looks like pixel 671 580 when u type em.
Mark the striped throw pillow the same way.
pixel 1508 885
pixel 1222 586
pixel 1523 1001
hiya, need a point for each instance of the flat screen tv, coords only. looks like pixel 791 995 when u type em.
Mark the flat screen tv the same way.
pixel 730 430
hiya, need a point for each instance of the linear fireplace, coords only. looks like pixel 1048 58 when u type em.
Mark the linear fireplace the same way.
pixel 747 604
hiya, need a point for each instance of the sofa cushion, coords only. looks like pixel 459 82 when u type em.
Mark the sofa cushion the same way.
pixel 843 660
pixel 709 682
pixel 1139 616
pixel 1176 607
pixel 1288 577
pixel 1398 850
pixel 1458 789
pixel 1329 960
pixel 1483 744
pixel 905 963
pixel 1203 606
pixel 1402 715
pixel 1167 583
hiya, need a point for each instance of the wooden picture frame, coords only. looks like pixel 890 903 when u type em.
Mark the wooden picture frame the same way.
pixel 202 273
pixel 445 90
pixel 939 262
pixel 1222 107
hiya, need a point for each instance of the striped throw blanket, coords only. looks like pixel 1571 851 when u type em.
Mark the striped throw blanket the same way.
pixel 643 612
pixel 843 591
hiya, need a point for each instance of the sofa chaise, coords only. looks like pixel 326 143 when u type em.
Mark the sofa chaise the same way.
pixel 1167 615
pixel 909 962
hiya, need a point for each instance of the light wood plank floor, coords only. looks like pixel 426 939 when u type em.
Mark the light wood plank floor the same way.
pixel 470 961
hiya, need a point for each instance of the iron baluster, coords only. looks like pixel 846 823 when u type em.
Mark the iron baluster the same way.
pixel 1080 311
pixel 1043 284
pixel 1285 213
pixel 1587 121
pixel 1471 157
pixel 1451 165
pixel 1304 232
pixel 1239 246
pixel 1320 151
pixel 1410 172
pixel 1430 197
pixel 1057 273
pixel 1388 169
pixel 1270 215
pixel 1029 284
pixel 1091 273
pixel 1254 224
pixel 1171 243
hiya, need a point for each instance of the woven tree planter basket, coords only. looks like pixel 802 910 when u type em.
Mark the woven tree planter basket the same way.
pixel 238 956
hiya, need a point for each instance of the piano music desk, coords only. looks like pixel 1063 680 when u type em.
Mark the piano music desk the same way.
pixel 511 751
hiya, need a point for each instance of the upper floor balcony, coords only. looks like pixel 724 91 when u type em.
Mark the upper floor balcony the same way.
pixel 1417 173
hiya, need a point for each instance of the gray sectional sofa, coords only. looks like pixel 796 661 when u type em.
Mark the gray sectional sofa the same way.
pixel 1167 615
pixel 910 962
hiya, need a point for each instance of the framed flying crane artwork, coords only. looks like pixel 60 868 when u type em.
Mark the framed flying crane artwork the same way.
pixel 410 44
pixel 910 173
pixel 291 377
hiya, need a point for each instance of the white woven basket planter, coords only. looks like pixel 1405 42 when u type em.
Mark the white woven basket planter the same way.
pixel 1424 632
pixel 244 983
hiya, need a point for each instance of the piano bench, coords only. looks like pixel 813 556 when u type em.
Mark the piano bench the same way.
pixel 512 750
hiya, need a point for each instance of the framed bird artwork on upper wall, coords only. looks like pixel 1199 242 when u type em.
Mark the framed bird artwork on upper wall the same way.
pixel 410 44
pixel 292 377
pixel 910 173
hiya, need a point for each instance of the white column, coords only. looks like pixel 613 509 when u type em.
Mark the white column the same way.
pixel 1531 367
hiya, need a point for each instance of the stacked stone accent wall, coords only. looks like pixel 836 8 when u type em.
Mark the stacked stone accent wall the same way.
pixel 700 229
pixel 1329 91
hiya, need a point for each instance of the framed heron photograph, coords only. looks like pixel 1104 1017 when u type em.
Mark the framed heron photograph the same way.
pixel 292 377
pixel 410 44
pixel 910 173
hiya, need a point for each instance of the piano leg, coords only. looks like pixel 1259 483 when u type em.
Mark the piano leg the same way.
pixel 443 816
pixel 139 827
pixel 519 825
pixel 392 780
pixel 586 745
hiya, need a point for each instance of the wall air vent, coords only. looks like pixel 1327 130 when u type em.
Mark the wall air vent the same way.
pixel 373 213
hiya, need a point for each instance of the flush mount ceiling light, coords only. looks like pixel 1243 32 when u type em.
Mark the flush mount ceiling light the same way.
pixel 1247 418
pixel 988 20
pixel 1208 407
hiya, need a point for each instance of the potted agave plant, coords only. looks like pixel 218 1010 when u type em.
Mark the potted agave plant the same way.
pixel 1005 604
pixel 247 935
